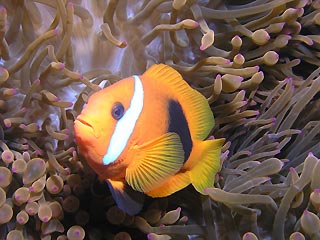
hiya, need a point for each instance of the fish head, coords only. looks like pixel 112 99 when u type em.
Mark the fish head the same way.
pixel 96 124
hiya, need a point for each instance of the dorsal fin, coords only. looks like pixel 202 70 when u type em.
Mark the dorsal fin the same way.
pixel 195 106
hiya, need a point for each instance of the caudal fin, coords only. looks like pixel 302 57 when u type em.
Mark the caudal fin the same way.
pixel 206 164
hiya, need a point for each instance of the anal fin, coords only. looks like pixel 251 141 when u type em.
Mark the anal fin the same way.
pixel 171 185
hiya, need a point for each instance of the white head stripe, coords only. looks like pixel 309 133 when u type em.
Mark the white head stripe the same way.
pixel 125 125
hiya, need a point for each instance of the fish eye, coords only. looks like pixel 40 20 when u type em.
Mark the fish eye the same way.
pixel 117 111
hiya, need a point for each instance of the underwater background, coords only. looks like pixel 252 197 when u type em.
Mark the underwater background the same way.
pixel 257 63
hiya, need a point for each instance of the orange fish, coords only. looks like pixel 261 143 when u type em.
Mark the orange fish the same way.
pixel 146 134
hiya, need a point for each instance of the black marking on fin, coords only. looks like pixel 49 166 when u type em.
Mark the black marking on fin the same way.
pixel 178 124
pixel 127 199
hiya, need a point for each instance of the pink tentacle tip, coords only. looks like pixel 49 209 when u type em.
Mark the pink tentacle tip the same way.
pixel 300 11
pixel 310 154
pixel 196 24
pixel 39 152
pixel 70 4
pixel 56 99
pixel 306 212
pixel 246 235
pixel 317 190
pixel 67 171
pixel 3 10
pixel 68 132
pixel 57 31
pixel 77 232
pixel 15 91
pixel 202 48
pixel 282 164
pixel 310 43
pixel 61 66
pixel 7 124
pixel 253 103
pixel 123 44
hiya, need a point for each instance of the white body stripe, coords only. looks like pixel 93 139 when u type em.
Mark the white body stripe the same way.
pixel 126 124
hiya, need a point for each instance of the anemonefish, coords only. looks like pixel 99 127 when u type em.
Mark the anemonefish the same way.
pixel 147 135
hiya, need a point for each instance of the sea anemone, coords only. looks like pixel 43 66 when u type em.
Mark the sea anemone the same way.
pixel 257 63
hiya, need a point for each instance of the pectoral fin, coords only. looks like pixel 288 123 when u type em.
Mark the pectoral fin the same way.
pixel 199 170
pixel 127 199
pixel 155 161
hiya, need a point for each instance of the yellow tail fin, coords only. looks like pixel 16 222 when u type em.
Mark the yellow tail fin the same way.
pixel 205 163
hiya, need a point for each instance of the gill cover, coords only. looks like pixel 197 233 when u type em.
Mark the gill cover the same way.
pixel 125 125
pixel 99 120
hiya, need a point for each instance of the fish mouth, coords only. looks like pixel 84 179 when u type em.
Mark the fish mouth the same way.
pixel 84 122
pixel 86 126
